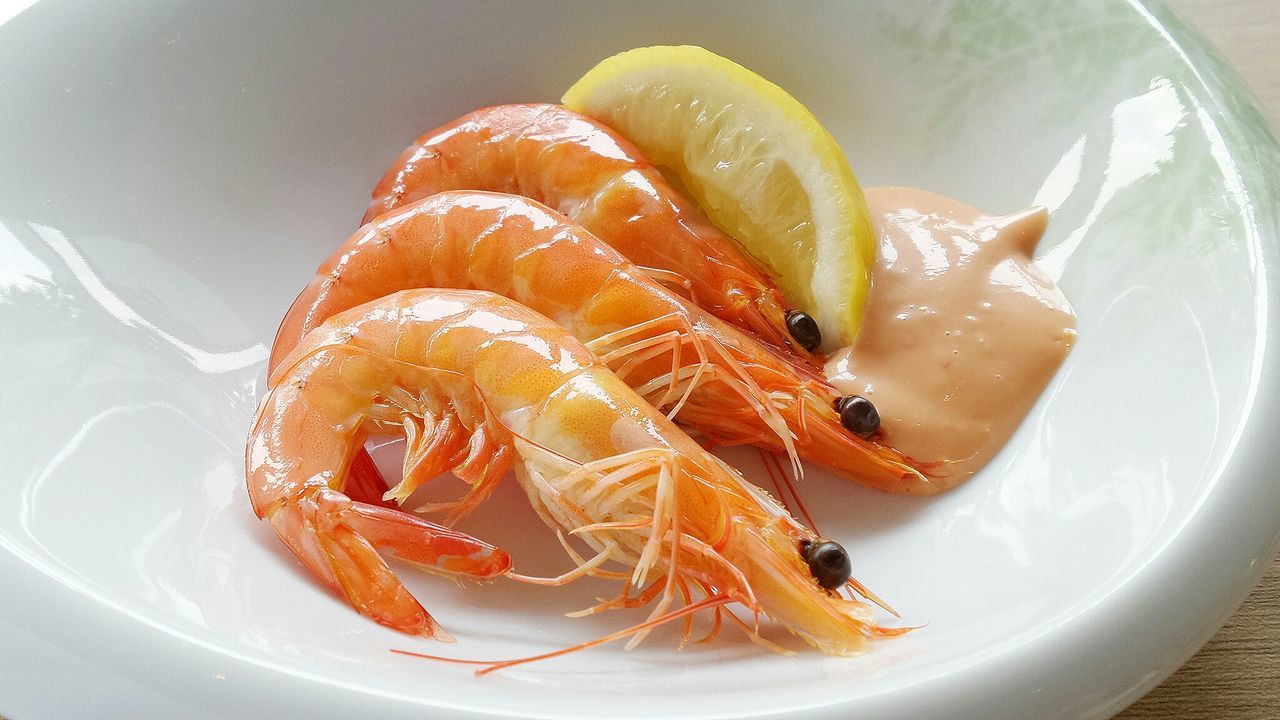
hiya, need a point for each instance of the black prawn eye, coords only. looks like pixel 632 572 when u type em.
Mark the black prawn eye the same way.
pixel 804 329
pixel 858 415
pixel 828 561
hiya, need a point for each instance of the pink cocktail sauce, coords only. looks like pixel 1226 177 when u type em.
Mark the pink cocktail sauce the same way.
pixel 961 331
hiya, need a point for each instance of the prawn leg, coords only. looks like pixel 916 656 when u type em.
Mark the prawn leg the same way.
pixel 364 481
pixel 339 541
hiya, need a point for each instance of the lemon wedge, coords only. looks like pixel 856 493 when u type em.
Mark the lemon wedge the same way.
pixel 757 161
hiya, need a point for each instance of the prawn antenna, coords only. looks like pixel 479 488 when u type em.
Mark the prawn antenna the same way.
pixel 778 474
pixel 715 601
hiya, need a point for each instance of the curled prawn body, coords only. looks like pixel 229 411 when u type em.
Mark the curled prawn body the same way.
pixel 587 171
pixel 704 372
pixel 478 384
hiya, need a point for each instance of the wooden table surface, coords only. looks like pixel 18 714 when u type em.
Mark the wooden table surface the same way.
pixel 1237 675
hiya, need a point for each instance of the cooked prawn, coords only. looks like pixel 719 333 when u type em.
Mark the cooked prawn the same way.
pixel 480 383
pixel 595 176
pixel 705 372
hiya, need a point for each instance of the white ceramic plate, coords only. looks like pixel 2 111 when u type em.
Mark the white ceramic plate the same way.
pixel 172 172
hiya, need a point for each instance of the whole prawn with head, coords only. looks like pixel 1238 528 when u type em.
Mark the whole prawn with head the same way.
pixel 479 383
pixel 704 372
pixel 593 175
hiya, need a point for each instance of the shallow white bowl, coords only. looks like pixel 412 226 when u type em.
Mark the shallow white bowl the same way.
pixel 172 172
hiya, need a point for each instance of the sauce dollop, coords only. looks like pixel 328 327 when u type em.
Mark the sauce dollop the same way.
pixel 961 332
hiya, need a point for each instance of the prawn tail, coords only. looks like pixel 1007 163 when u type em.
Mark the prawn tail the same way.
pixel 339 541
pixel 310 430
